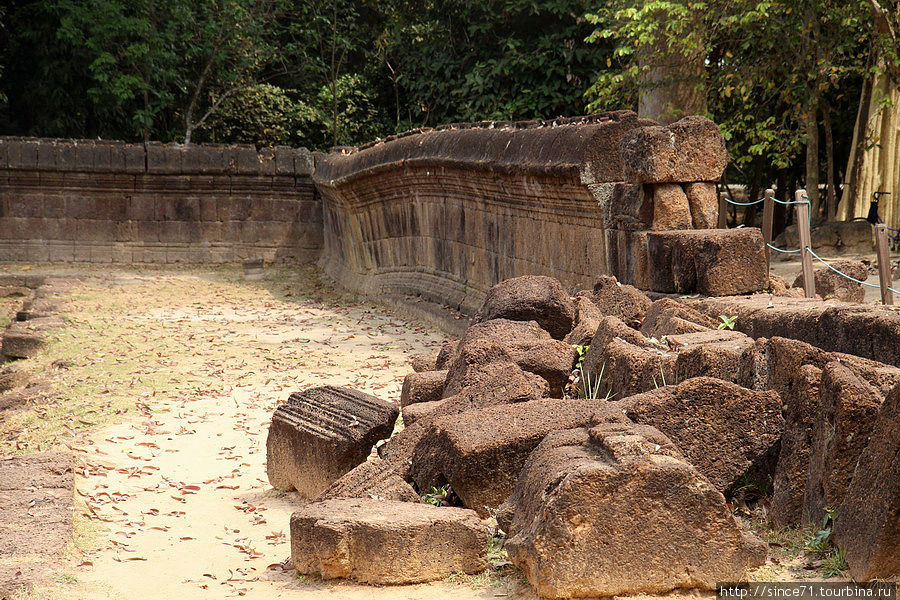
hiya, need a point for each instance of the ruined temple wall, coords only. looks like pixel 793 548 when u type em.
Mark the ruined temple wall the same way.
pixel 446 213
pixel 111 202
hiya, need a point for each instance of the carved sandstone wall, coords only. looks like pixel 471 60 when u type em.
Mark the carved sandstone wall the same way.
pixel 103 201
pixel 446 213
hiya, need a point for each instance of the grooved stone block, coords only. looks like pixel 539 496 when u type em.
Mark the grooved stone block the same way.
pixel 322 433
pixel 386 542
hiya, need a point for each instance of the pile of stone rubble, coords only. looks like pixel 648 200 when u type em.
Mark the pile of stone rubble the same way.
pixel 624 492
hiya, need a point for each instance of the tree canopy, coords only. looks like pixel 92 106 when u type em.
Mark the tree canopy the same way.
pixel 775 75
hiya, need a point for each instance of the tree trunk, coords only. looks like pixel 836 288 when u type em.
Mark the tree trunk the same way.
pixel 812 164
pixel 830 182
pixel 674 86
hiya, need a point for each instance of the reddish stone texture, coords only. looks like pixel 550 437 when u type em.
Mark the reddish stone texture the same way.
pixel 104 201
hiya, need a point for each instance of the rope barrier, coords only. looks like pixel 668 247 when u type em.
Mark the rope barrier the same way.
pixel 785 202
pixel 872 285
pixel 782 251
pixel 728 200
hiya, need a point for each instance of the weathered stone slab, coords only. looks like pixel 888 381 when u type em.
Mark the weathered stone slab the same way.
pixel 723 429
pixel 616 510
pixel 867 527
pixel 671 209
pixel 691 149
pixel 386 542
pixel 322 433
pixel 625 368
pixel 658 318
pixel 25 339
pixel 712 262
pixel 480 452
pixel 372 479
pixel 704 203
pixel 615 299
pixel 710 353
pixel 848 410
pixel 530 298
pixel 792 469
pixel 503 340
pixel 425 386
pixel 829 284
pixel 587 318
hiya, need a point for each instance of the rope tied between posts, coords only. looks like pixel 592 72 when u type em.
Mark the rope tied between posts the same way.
pixel 782 251
pixel 872 285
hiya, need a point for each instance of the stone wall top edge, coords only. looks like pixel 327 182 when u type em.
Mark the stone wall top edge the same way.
pixel 78 155
pixel 551 147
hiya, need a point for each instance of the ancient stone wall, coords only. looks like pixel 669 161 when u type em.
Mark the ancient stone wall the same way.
pixel 105 201
pixel 446 213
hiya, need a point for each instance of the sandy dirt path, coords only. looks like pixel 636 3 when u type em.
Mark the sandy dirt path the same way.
pixel 174 502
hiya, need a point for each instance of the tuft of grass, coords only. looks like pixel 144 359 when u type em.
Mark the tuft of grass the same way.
pixel 834 564
pixel 589 386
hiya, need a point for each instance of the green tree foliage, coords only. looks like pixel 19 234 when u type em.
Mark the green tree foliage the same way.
pixel 776 71
pixel 458 60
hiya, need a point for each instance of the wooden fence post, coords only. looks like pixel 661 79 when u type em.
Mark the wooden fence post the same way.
pixel 723 213
pixel 884 263
pixel 768 215
pixel 802 210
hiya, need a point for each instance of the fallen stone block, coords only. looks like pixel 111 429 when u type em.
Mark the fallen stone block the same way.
pixel 322 433
pixel 530 298
pixel 712 262
pixel 423 362
pixel 867 527
pixel 425 386
pixel 624 369
pixel 39 308
pixel 502 340
pixel 587 318
pixel 12 376
pixel 616 510
pixel 615 299
pixel 721 428
pixel 480 452
pixel 386 542
pixel 22 341
pixel 831 285
pixel 398 451
pixel 446 353
pixel 665 316
pixel 372 479
pixel 423 410
pixel 848 409
pixel 691 149
pixel 712 353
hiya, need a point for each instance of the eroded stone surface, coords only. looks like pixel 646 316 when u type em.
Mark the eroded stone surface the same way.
pixel 867 527
pixel 424 386
pixel 530 298
pixel 722 428
pixel 691 149
pixel 617 510
pixel 480 452
pixel 386 542
pixel 322 433
pixel 372 479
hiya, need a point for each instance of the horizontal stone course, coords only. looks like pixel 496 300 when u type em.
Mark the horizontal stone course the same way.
pixel 112 202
